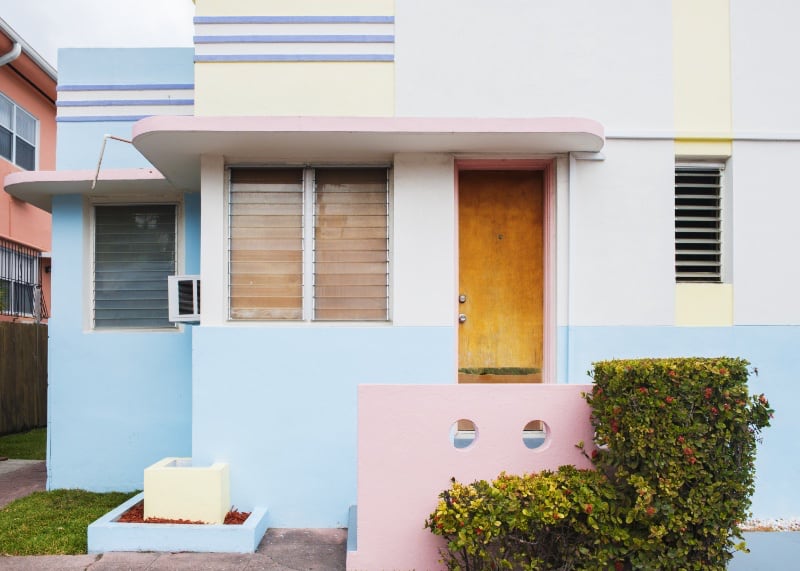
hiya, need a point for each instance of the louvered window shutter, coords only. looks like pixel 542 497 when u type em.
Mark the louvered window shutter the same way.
pixel 698 224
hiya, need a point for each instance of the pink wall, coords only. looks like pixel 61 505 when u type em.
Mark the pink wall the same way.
pixel 405 457
pixel 19 221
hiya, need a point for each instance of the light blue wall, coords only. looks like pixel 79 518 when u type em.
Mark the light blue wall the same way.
pixel 78 143
pixel 771 349
pixel 104 66
pixel 116 401
pixel 279 404
pixel 78 146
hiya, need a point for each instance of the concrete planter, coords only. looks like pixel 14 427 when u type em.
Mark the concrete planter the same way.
pixel 108 534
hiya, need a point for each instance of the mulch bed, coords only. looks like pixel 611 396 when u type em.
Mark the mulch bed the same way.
pixel 136 515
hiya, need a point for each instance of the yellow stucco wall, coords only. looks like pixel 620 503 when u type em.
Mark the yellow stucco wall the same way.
pixel 702 68
pixel 321 88
pixel 704 305
pixel 294 88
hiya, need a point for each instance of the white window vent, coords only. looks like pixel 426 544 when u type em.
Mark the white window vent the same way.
pixel 184 298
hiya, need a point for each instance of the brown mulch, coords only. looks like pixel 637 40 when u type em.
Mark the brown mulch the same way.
pixel 136 515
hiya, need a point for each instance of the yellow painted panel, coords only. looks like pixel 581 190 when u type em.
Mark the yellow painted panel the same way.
pixel 501 269
pixel 704 305
pixel 295 8
pixel 305 88
pixel 719 149
pixel 702 68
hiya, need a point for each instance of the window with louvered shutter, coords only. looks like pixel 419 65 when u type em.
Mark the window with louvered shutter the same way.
pixel 266 243
pixel 134 252
pixel 351 253
pixel 698 224
pixel 333 268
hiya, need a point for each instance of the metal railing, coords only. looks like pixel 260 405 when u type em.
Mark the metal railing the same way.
pixel 21 281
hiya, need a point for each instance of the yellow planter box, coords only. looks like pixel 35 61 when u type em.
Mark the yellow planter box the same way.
pixel 175 489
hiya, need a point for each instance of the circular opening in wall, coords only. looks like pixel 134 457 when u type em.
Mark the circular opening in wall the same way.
pixel 535 434
pixel 463 433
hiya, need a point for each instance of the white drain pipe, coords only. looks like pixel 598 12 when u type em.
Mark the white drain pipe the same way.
pixel 14 53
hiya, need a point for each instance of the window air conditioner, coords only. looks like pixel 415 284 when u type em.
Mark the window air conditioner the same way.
pixel 184 298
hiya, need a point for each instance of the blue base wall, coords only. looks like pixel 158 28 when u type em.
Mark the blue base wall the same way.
pixel 117 401
pixel 279 404
pixel 772 349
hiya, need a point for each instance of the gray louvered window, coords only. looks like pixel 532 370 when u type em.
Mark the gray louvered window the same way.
pixel 134 252
pixel 698 224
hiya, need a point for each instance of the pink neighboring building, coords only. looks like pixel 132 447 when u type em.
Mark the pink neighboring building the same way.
pixel 27 142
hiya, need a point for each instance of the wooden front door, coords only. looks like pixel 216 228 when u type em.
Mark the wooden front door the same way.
pixel 501 276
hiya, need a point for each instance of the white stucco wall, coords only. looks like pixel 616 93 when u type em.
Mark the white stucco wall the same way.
pixel 424 246
pixel 622 236
pixel 766 203
pixel 764 46
pixel 610 61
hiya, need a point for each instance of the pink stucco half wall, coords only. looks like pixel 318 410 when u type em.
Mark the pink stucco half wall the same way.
pixel 406 458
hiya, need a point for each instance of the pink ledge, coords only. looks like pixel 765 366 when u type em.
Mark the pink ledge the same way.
pixel 174 145
pixel 39 187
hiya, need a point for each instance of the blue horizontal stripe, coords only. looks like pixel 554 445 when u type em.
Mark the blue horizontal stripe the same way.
pixel 311 39
pixel 293 57
pixel 294 20
pixel 129 87
pixel 100 118
pixel 123 102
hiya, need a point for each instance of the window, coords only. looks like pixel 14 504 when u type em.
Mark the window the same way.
pixel 134 252
pixel 18 130
pixel 20 287
pixel 698 223
pixel 274 274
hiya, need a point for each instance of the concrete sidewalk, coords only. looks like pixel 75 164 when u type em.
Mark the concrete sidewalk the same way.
pixel 280 550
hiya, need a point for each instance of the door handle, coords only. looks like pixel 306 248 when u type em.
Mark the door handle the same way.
pixel 462 298
pixel 462 317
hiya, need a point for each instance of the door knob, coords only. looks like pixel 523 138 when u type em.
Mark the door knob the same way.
pixel 462 298
pixel 462 318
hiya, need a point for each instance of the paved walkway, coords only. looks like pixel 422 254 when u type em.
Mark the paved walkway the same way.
pixel 18 478
pixel 280 550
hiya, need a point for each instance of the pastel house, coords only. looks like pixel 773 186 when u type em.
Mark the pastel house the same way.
pixel 410 193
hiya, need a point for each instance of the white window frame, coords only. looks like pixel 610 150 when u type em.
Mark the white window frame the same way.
pixel 175 199
pixel 14 134
pixel 309 190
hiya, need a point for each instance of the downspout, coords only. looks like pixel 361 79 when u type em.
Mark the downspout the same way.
pixel 14 53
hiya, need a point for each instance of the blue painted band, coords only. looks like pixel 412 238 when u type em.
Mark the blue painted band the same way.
pixel 306 39
pixel 294 20
pixel 293 57
pixel 129 87
pixel 124 102
pixel 100 118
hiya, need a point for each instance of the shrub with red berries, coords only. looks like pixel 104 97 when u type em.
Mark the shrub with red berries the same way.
pixel 685 471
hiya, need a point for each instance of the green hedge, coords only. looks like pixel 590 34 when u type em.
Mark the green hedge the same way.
pixel 678 438
pixel 674 470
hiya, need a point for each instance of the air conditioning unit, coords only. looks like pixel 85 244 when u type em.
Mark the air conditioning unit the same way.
pixel 184 298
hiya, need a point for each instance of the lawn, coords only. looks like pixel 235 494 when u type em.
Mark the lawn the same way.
pixel 53 523
pixel 31 445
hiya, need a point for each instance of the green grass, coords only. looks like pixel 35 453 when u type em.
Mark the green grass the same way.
pixel 53 523
pixel 31 445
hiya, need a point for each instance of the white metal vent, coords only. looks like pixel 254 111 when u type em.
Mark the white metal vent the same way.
pixel 184 298
pixel 698 244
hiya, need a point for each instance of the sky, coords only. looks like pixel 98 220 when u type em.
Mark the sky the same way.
pixel 48 25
